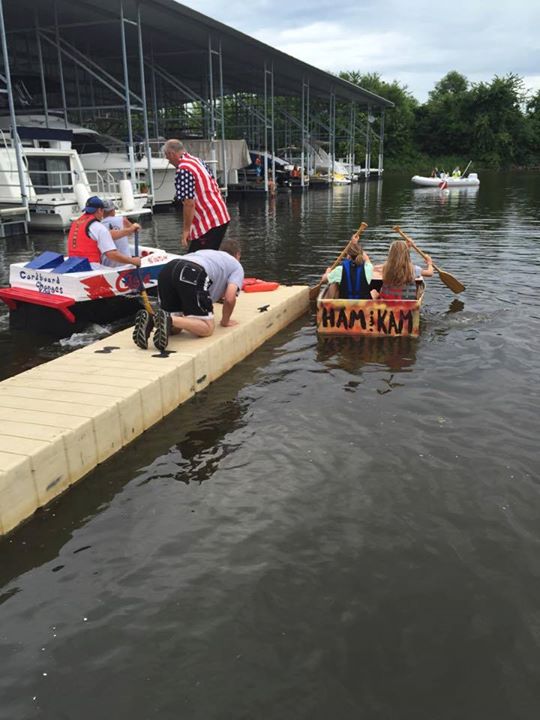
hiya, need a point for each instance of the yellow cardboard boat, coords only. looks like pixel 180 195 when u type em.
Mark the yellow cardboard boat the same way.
pixel 375 318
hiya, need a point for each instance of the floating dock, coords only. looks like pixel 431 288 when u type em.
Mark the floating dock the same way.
pixel 59 420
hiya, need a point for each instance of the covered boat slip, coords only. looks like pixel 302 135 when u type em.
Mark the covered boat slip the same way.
pixel 153 69
pixel 61 419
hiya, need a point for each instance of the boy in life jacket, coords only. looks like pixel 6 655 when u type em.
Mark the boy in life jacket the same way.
pixel 352 279
pixel 90 239
pixel 399 273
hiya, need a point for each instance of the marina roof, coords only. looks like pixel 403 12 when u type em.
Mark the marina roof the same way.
pixel 178 37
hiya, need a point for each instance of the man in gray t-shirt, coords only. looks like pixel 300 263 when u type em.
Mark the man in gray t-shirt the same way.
pixel 188 287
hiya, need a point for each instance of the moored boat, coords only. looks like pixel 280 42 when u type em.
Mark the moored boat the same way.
pixel 60 296
pixel 446 181
pixel 383 318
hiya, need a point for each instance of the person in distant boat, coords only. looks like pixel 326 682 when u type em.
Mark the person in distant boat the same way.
pixel 119 227
pixel 295 173
pixel 271 185
pixel 351 279
pixel 456 172
pixel 188 287
pixel 89 238
pixel 399 273
pixel 258 168
pixel 205 214
pixel 434 172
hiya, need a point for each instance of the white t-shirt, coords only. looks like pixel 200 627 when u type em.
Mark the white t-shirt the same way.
pixel 221 269
pixel 117 223
pixel 337 273
pixel 101 234
pixel 105 243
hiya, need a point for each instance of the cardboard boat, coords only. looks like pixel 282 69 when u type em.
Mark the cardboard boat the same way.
pixel 57 295
pixel 375 318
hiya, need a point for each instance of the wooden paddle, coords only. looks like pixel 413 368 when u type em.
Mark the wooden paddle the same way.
pixel 144 295
pixel 449 280
pixel 314 291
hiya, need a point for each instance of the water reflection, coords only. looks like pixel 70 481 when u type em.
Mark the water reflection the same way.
pixel 455 306
pixel 352 354
pixel 453 197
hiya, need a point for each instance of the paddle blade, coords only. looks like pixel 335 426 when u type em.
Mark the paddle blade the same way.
pixel 451 282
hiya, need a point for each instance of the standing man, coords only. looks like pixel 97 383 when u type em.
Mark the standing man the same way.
pixel 206 217
pixel 89 238
pixel 187 288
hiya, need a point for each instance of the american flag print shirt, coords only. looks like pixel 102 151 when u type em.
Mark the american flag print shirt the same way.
pixel 194 181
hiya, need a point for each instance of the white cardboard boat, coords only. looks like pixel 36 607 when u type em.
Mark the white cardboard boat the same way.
pixel 59 296
pixel 446 181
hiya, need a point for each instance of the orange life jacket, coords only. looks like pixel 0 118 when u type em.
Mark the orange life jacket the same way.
pixel 79 243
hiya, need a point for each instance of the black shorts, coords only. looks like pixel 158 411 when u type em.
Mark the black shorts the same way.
pixel 183 287
pixel 210 240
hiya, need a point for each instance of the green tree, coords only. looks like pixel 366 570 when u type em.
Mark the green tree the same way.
pixel 443 123
pixel 399 121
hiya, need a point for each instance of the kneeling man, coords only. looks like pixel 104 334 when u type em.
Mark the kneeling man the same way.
pixel 187 288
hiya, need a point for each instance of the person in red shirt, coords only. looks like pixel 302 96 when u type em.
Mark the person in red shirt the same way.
pixel 205 213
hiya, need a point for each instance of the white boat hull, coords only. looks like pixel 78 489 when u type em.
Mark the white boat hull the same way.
pixel 439 182
pixel 47 301
pixel 100 282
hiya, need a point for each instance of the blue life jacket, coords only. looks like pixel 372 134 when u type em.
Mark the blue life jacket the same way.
pixel 354 284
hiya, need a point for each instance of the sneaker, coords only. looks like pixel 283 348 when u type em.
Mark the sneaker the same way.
pixel 144 323
pixel 163 324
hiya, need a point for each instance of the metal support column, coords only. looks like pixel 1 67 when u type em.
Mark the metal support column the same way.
pixel 308 126
pixel 154 94
pixel 381 145
pixel 60 64
pixel 78 91
pixel 14 134
pixel 144 107
pixel 212 127
pixel 222 101
pixel 272 128
pixel 352 130
pixel 332 132
pixel 265 130
pixel 368 142
pixel 131 153
pixel 303 132
pixel 41 69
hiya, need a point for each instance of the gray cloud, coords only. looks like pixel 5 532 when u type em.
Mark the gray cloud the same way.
pixel 415 43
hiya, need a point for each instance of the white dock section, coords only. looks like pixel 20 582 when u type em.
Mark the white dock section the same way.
pixel 61 419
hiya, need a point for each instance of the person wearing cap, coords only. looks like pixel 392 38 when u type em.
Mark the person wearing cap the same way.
pixel 119 227
pixel 205 214
pixel 89 238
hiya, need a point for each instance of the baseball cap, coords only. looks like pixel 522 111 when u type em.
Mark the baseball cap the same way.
pixel 93 203
pixel 109 205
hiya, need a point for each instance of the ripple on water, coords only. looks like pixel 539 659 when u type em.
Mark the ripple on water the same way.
pixel 336 528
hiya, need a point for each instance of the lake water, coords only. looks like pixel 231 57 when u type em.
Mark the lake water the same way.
pixel 335 529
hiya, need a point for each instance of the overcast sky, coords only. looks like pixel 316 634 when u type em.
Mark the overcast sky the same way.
pixel 413 41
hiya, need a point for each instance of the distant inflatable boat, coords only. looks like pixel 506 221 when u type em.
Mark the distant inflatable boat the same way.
pixel 447 181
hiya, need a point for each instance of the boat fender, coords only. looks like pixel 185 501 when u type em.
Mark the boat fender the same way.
pixel 126 194
pixel 256 285
pixel 82 193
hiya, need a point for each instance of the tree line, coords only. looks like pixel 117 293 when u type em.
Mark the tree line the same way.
pixel 496 124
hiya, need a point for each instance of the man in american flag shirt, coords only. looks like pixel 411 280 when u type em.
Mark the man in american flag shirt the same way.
pixel 205 214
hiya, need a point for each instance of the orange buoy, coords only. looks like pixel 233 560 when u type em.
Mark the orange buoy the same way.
pixel 256 285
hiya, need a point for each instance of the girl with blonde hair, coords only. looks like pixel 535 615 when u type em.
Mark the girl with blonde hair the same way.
pixel 399 273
